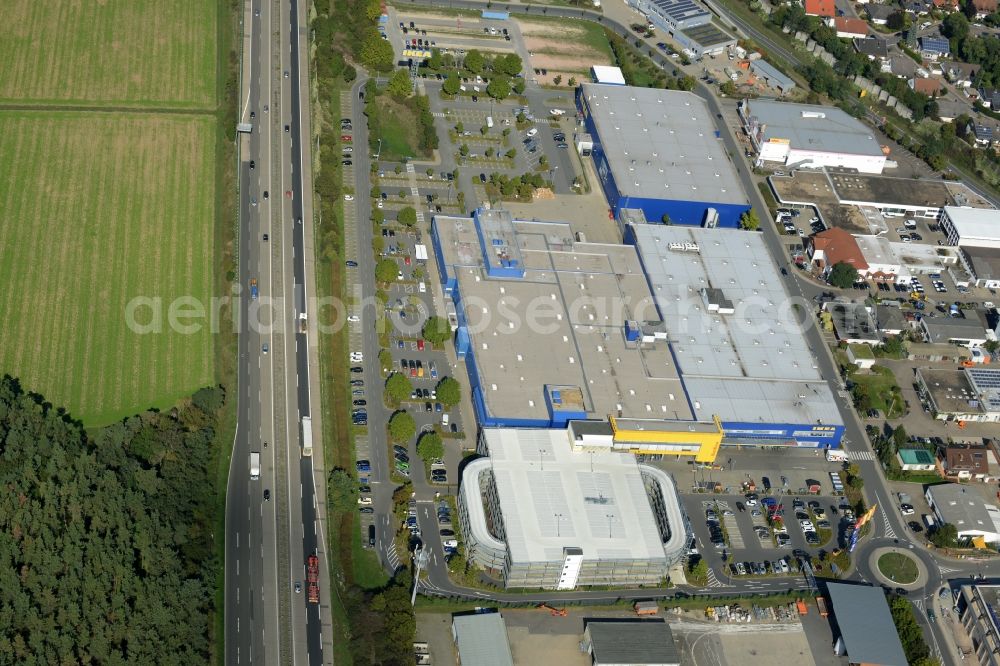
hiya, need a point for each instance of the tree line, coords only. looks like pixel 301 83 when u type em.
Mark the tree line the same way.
pixel 106 544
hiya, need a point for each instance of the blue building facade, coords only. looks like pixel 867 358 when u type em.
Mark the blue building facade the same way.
pixel 682 212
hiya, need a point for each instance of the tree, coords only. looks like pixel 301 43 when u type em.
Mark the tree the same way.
pixel 894 346
pixel 449 391
pixel 509 64
pixel 698 569
pixel 398 388
pixel 499 87
pixel 400 86
pixel 728 88
pixel 510 154
pixel 376 53
pixel 944 536
pixel 434 62
pixel 475 62
pixel 519 86
pixel 956 28
pixel 897 21
pixel 558 79
pixel 463 150
pixel 572 82
pixel 436 330
pixel 665 219
pixel 386 270
pixel 430 446
pixel 459 127
pixel 349 73
pixel 407 216
pixel 452 84
pixel 842 275
pixel 343 491
pixel 402 427
pixel 749 221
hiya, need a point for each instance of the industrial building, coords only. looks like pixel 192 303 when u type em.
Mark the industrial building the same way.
pixel 481 639
pixel 971 227
pixel 979 610
pixel 738 347
pixel 965 332
pixel 966 394
pixel 632 642
pixel 644 335
pixel 964 507
pixel 659 151
pixel 673 15
pixel 867 631
pixel 809 135
pixel 535 513
pixel 553 329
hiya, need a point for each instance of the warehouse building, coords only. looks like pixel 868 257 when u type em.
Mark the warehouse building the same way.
pixel 809 135
pixel 659 151
pixel 632 642
pixel 964 507
pixel 537 514
pixel 481 639
pixel 739 350
pixel 673 15
pixel 867 632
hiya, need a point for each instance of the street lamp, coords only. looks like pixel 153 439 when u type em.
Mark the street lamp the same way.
pixel 378 152
pixel 558 517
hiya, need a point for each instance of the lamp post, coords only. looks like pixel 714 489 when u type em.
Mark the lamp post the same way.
pixel 610 517
pixel 558 517
pixel 378 152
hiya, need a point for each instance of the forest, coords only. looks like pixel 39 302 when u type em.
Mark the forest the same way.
pixel 106 546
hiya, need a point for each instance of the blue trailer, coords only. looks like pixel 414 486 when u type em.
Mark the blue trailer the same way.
pixel 496 16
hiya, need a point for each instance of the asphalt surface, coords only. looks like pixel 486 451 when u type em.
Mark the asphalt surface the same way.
pixel 257 621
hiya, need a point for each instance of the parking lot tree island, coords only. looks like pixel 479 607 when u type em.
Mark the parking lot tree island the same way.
pixel 430 446
pixel 397 388
pixel 386 270
pixel 449 391
pixel 436 330
pixel 407 216
pixel 402 427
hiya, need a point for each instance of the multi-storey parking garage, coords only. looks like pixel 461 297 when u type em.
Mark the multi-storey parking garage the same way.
pixel 536 513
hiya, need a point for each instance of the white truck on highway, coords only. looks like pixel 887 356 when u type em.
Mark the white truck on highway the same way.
pixel 254 465
pixel 307 436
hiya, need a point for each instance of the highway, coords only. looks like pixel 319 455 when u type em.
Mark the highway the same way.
pixel 267 541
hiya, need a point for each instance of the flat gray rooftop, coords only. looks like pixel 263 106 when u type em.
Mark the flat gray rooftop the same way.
pixel 661 144
pixel 943 329
pixel 552 498
pixel 866 625
pixel 949 389
pixel 633 642
pixel 561 324
pixel 482 639
pixel 813 127
pixel 751 364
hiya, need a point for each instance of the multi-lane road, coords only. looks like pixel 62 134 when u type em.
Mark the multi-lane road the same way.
pixel 272 523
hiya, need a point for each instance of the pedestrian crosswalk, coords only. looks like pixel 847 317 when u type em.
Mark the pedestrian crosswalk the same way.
pixel 946 570
pixel 861 455
pixel 889 532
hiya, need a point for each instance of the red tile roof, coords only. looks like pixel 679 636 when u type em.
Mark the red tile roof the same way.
pixel 855 26
pixel 929 87
pixel 839 246
pixel 822 8
pixel 972 459
pixel 952 4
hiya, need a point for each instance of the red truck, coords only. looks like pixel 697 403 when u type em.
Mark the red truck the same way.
pixel 312 578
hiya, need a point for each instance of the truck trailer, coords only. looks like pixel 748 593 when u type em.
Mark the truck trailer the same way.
pixel 307 436
pixel 254 465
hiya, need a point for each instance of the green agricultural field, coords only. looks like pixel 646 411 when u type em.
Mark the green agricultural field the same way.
pixel 95 210
pixel 109 52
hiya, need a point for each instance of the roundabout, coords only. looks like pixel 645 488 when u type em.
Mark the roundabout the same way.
pixel 897 566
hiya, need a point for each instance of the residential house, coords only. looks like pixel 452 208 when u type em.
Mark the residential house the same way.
pixel 833 246
pixel 917 7
pixel 873 47
pixel 961 74
pixel 916 460
pixel 934 48
pixel 889 319
pixel 929 87
pixel 850 28
pixel 902 67
pixel 946 5
pixel 879 14
pixel 990 98
pixel 966 463
pixel 983 133
pixel 821 8
pixel 984 7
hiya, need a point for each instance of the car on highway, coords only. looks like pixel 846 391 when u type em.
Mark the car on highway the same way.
pixel 357 368
pixel 298 587
pixel 267 495
pixel 265 238
pixel 263 348
pixel 287 128
pixel 253 164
